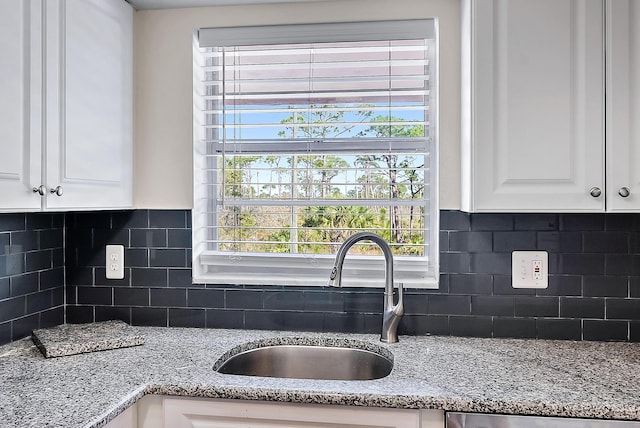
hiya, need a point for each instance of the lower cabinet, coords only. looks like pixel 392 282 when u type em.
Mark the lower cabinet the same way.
pixel 126 419
pixel 175 412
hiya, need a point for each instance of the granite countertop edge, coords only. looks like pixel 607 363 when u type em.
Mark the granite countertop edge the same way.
pixel 372 400
pixel 110 414
pixel 506 376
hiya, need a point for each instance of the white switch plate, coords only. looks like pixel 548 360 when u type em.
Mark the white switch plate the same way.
pixel 530 269
pixel 115 262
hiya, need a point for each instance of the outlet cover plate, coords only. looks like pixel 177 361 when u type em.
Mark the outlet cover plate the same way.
pixel 530 269
pixel 114 262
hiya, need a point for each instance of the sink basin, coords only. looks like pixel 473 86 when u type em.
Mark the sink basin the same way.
pixel 307 362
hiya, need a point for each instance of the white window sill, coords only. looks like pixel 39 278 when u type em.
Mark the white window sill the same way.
pixel 297 270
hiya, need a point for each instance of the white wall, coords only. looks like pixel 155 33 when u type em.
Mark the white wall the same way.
pixel 163 85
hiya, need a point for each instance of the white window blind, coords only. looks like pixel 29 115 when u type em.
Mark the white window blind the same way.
pixel 305 135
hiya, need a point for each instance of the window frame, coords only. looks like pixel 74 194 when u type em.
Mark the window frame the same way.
pixel 313 269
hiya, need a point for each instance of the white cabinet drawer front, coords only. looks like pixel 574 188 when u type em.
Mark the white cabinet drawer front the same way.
pixel 190 413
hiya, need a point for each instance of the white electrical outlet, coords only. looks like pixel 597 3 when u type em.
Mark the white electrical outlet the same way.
pixel 530 269
pixel 537 270
pixel 115 262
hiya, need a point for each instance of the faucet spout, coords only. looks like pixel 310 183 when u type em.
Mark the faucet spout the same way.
pixel 392 312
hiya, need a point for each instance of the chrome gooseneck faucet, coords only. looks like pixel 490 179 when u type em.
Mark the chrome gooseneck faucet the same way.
pixel 392 313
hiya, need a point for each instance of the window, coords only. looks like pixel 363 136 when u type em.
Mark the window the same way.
pixel 305 135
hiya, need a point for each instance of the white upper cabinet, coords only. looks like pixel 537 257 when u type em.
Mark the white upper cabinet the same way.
pixel 623 105
pixel 89 103
pixel 66 128
pixel 20 104
pixel 533 105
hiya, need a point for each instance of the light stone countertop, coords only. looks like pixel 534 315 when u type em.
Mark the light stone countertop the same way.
pixel 512 376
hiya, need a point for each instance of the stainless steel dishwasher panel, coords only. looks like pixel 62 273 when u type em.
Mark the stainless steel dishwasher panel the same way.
pixel 480 420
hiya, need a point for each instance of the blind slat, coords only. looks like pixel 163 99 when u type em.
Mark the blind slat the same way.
pixel 318 109
pixel 383 95
pixel 309 125
pixel 230 202
pixel 298 49
pixel 291 147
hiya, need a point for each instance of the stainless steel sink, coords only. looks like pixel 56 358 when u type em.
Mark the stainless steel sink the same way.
pixel 308 362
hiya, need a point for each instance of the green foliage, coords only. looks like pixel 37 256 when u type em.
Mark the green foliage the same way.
pixel 311 176
pixel 283 237
pixel 381 131
pixel 236 176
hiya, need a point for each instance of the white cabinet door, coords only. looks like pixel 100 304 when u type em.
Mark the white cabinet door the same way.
pixel 20 104
pixel 126 419
pixel 89 103
pixel 534 128
pixel 623 105
pixel 203 413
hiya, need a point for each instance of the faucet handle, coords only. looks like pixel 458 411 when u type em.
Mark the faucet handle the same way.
pixel 334 280
pixel 398 308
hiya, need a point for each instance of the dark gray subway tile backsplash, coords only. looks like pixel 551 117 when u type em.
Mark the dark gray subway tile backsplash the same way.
pixel 31 273
pixel 593 293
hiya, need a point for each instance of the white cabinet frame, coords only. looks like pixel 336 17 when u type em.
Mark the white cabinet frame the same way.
pixel 20 104
pixel 623 105
pixel 88 150
pixel 533 105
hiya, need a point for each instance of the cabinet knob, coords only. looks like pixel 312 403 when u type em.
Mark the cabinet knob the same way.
pixel 57 191
pixel 595 192
pixel 624 192
pixel 40 190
